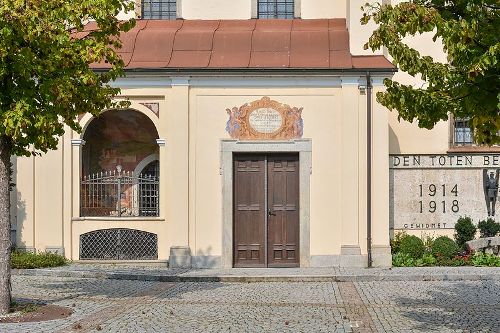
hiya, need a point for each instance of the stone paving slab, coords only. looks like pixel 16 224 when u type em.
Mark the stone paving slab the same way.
pixel 116 306
pixel 160 273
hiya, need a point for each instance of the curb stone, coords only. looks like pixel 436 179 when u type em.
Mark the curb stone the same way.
pixel 155 277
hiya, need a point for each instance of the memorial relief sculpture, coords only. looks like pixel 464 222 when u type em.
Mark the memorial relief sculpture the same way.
pixel 490 183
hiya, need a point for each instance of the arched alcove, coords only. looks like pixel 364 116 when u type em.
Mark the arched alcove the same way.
pixel 119 144
pixel 118 138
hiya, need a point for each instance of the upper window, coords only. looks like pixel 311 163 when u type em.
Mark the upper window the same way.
pixel 462 133
pixel 159 9
pixel 275 9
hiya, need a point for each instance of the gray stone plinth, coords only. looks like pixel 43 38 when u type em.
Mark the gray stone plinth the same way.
pixel 55 249
pixel 350 256
pixel 489 245
pixel 26 249
pixel 180 257
pixel 381 256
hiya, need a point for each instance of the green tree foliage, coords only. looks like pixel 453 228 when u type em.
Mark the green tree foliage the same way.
pixel 488 228
pixel 465 231
pixel 445 247
pixel 46 51
pixel 467 86
pixel 45 78
pixel 412 246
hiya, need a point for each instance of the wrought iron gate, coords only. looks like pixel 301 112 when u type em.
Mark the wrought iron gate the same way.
pixel 120 193
pixel 118 244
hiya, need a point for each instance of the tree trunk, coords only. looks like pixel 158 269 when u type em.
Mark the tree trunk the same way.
pixel 5 242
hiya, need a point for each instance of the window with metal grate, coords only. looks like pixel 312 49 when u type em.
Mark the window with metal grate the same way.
pixel 462 135
pixel 275 9
pixel 159 9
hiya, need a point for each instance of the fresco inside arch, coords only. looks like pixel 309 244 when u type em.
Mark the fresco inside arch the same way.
pixel 118 138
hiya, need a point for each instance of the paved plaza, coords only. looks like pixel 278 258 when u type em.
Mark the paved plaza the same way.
pixel 110 305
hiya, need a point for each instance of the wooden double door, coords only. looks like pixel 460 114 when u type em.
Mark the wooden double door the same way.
pixel 266 210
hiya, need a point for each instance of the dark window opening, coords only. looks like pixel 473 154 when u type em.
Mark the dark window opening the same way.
pixel 276 9
pixel 159 9
pixel 462 135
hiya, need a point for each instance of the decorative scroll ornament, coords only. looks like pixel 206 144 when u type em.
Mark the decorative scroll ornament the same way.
pixel 265 119
pixel 155 107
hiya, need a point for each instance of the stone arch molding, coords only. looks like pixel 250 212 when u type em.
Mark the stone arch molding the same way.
pixel 142 164
pixel 134 105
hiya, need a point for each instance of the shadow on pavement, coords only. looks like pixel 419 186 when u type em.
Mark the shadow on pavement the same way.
pixel 464 306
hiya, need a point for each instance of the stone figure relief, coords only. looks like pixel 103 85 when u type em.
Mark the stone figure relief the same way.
pixel 265 119
pixel 490 185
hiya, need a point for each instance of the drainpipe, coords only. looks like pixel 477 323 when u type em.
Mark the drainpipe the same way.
pixel 369 168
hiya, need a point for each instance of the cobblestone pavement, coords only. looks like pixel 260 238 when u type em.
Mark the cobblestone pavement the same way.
pixel 103 305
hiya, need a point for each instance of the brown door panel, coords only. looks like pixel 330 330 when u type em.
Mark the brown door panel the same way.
pixel 283 203
pixel 249 211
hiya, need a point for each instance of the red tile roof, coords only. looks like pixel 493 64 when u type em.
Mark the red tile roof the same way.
pixel 239 44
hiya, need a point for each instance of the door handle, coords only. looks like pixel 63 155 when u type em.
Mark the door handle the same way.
pixel 271 213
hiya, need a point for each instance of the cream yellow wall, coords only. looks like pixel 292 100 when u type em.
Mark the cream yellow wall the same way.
pixel 358 34
pixel 316 9
pixel 49 178
pixel 322 118
pixel 215 9
pixel 39 191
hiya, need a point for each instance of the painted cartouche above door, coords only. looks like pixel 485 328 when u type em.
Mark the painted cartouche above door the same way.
pixel 265 119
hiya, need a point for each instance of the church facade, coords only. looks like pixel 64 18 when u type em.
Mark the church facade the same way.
pixel 253 139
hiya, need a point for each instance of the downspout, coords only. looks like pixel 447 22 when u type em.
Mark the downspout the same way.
pixel 369 168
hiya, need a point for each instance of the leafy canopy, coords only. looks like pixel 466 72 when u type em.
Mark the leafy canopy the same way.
pixel 45 74
pixel 467 86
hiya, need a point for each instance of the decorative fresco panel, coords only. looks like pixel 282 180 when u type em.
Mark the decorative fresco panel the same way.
pixel 118 137
pixel 265 119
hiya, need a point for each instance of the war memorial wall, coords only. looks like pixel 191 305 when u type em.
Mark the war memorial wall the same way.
pixel 429 192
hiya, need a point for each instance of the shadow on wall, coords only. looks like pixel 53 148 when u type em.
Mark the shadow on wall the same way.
pixel 205 259
pixel 391 204
pixel 394 147
pixel 19 239
pixel 467 306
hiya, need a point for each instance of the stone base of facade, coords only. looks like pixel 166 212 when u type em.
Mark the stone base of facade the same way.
pixel 55 249
pixel 381 256
pixel 326 261
pixel 180 257
pixel 206 262
pixel 26 249
pixel 351 257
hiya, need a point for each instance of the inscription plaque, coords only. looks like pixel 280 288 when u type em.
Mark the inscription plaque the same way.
pixel 265 120
pixel 433 191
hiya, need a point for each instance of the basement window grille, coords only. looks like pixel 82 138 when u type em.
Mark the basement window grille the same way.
pixel 118 244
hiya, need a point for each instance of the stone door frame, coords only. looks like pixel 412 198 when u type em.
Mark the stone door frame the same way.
pixel 228 147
